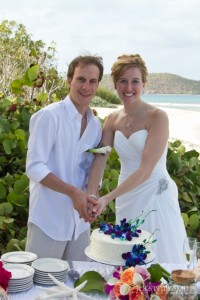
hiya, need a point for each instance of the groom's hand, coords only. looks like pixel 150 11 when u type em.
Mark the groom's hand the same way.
pixel 80 203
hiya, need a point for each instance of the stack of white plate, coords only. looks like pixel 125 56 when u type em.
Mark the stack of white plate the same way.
pixel 44 266
pixel 22 277
pixel 19 257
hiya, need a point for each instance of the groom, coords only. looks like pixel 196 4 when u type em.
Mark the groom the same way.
pixel 58 166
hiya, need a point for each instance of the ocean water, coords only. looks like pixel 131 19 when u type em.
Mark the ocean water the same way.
pixel 186 102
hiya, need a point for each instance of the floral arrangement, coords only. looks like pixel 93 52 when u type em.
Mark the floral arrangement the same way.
pixel 4 279
pixel 134 283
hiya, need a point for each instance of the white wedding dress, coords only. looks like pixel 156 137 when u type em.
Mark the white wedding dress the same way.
pixel 159 193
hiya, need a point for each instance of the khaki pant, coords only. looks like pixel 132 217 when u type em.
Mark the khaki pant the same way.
pixel 44 246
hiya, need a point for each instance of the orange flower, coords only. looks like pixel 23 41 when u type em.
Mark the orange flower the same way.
pixel 161 291
pixel 127 276
pixel 135 293
pixel 116 289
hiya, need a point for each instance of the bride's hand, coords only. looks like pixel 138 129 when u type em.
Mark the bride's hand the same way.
pixel 99 206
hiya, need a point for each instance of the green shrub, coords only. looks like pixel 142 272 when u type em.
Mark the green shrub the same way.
pixel 99 102
pixel 108 96
pixel 14 193
pixel 184 168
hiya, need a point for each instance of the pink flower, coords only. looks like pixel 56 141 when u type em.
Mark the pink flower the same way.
pixel 116 290
pixel 143 272
pixel 4 277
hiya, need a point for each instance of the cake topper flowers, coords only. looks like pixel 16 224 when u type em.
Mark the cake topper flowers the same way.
pixel 126 230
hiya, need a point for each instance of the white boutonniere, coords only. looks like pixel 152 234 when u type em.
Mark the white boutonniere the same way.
pixel 100 150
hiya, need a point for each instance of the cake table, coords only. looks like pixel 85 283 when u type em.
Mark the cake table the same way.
pixel 81 267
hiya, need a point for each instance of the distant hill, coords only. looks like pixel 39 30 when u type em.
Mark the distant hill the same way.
pixel 162 83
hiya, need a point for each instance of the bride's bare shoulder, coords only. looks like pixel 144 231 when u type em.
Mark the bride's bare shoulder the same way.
pixel 154 111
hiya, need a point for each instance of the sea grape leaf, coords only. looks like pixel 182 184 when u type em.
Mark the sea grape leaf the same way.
pixel 20 185
pixel 185 219
pixel 5 209
pixel 2 191
pixel 95 282
pixel 186 197
pixel 33 72
pixel 194 221
pixel 17 199
pixel 157 272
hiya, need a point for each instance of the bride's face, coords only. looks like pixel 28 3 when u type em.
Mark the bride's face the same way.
pixel 130 85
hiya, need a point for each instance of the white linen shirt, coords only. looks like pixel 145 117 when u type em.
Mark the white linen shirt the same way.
pixel 55 146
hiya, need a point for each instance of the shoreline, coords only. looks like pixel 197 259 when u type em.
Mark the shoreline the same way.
pixel 183 125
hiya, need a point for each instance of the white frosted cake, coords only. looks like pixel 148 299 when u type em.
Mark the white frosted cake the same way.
pixel 108 247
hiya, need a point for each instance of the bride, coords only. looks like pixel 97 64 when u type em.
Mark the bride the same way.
pixel 139 133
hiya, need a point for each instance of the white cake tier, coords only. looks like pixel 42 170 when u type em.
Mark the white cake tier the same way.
pixel 105 248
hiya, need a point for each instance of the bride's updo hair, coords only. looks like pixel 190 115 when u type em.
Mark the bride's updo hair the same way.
pixel 126 61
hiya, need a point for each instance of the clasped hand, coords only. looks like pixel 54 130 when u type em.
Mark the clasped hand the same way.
pixel 95 209
pixel 87 207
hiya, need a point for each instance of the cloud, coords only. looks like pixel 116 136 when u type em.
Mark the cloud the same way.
pixel 165 32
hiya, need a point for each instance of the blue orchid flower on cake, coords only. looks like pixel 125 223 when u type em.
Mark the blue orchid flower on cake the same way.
pixel 124 231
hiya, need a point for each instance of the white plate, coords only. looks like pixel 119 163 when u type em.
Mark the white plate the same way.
pixel 41 273
pixel 12 285
pixel 20 281
pixel 21 288
pixel 19 271
pixel 47 280
pixel 149 259
pixel 46 276
pixel 51 282
pixel 18 257
pixel 50 265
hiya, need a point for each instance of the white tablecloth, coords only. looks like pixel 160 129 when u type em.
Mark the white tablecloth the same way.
pixel 81 267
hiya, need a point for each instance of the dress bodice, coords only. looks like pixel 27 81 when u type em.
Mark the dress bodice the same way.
pixel 130 151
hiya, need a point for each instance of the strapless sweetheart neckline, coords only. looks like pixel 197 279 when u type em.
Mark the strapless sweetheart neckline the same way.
pixel 134 133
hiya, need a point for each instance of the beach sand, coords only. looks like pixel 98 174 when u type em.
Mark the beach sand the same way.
pixel 183 125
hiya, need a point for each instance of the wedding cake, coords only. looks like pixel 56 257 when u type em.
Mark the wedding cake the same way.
pixel 122 244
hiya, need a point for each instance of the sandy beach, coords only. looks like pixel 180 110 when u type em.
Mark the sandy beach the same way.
pixel 184 125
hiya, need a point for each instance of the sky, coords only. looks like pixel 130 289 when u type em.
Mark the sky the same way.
pixel 166 33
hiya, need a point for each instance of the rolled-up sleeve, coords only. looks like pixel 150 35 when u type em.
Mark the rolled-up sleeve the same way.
pixel 41 140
